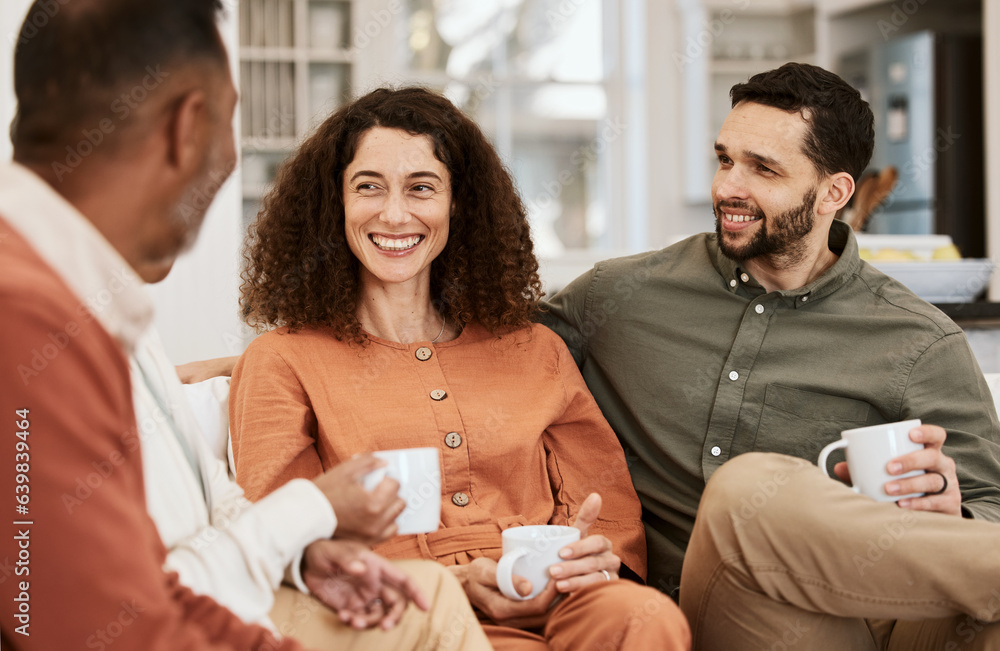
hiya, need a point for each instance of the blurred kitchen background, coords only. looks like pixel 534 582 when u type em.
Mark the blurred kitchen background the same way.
pixel 606 111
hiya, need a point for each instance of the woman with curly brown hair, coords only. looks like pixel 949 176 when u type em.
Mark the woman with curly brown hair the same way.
pixel 393 263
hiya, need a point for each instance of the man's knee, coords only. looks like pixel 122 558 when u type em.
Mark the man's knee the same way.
pixel 749 485
pixel 432 577
pixel 959 633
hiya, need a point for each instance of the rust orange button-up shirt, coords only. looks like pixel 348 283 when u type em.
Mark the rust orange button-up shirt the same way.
pixel 518 433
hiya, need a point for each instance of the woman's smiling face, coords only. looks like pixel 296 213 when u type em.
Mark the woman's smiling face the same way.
pixel 397 206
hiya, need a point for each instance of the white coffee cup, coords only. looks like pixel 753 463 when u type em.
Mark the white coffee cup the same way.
pixel 418 471
pixel 529 552
pixel 869 450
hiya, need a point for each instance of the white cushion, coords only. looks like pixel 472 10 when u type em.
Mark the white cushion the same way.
pixel 210 404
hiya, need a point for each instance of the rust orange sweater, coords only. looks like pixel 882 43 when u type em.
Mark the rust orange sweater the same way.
pixel 531 444
pixel 84 570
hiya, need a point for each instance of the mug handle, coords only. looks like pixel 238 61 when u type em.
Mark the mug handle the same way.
pixel 505 574
pixel 825 454
pixel 374 478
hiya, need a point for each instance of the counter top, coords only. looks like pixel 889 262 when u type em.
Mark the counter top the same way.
pixel 972 314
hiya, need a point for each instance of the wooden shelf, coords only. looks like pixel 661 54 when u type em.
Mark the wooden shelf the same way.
pixel 290 54
pixel 255 191
pixel 289 73
pixel 757 7
pixel 251 144
pixel 753 66
pixel 835 7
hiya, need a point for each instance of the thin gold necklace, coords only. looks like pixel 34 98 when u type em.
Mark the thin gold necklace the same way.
pixel 444 321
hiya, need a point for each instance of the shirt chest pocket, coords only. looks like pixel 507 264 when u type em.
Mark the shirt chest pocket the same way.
pixel 800 422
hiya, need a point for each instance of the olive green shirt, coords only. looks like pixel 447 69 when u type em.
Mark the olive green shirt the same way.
pixel 693 363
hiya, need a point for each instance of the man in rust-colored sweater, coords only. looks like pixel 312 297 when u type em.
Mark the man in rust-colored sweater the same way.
pixel 122 137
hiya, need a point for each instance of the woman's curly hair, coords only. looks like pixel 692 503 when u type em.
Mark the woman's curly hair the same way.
pixel 299 270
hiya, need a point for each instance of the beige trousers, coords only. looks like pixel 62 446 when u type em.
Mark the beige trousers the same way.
pixel 449 625
pixel 783 558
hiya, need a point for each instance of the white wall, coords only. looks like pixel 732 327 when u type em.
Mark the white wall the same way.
pixel 196 308
pixel 11 16
pixel 991 93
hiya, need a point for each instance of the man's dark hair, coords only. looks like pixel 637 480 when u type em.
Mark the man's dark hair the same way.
pixel 80 62
pixel 841 133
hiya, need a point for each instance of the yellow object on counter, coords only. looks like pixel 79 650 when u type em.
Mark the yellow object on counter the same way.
pixel 949 252
pixel 894 255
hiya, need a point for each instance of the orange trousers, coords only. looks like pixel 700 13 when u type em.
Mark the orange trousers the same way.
pixel 603 617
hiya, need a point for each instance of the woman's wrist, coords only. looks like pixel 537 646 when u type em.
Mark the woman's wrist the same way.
pixel 460 572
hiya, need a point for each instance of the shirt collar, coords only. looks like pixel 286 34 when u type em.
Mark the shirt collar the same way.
pixel 77 251
pixel 841 238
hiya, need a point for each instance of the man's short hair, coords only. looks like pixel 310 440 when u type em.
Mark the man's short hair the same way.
pixel 841 133
pixel 82 66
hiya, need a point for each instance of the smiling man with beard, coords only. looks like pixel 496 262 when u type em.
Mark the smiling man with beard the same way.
pixel 759 344
pixel 783 247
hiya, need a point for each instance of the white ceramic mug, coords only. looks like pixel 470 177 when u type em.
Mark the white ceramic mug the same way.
pixel 869 450
pixel 418 471
pixel 529 552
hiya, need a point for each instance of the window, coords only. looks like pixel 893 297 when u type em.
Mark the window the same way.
pixel 538 77
pixel 552 83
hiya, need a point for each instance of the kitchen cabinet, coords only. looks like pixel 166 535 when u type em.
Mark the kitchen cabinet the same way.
pixel 726 42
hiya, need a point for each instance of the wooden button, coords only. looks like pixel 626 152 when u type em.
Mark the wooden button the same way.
pixel 438 394
pixel 424 353
pixel 453 439
pixel 460 499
